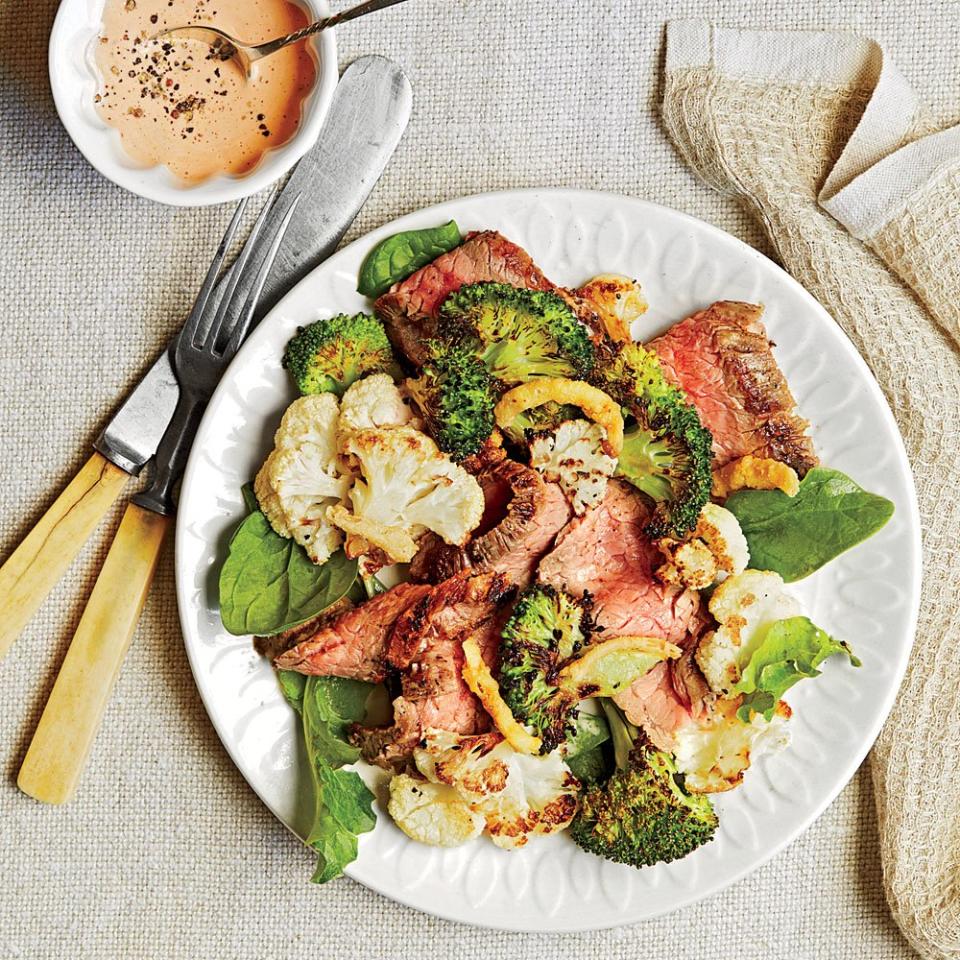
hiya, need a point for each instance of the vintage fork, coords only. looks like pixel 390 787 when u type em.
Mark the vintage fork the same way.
pixel 211 336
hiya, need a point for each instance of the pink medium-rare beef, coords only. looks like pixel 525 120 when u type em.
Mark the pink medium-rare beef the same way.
pixel 354 645
pixel 606 554
pixel 409 308
pixel 427 645
pixel 689 683
pixel 522 517
pixel 721 357
pixel 652 703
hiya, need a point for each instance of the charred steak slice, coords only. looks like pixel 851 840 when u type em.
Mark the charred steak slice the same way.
pixel 606 554
pixel 522 517
pixel 354 645
pixel 275 644
pixel 722 358
pixel 445 611
pixel 427 644
pixel 409 308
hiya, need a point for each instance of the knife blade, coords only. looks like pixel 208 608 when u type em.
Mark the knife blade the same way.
pixel 367 117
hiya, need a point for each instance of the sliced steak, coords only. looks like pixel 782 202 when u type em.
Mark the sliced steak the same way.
pixel 522 517
pixel 428 645
pixel 445 611
pixel 409 308
pixel 272 646
pixel 690 684
pixel 354 645
pixel 722 358
pixel 653 705
pixel 607 554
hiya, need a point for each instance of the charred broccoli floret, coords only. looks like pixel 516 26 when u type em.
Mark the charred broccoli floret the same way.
pixel 456 398
pixel 642 814
pixel 519 334
pixel 329 355
pixel 547 627
pixel 666 449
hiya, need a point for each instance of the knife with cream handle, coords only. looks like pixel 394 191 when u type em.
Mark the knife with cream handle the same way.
pixel 366 119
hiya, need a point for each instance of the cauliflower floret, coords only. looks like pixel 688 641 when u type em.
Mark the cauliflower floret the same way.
pixel 618 300
pixel 300 479
pixel 717 547
pixel 572 456
pixel 432 813
pixel 405 487
pixel 517 795
pixel 713 753
pixel 374 401
pixel 744 606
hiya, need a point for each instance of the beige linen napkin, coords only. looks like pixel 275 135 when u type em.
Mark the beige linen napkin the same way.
pixel 827 145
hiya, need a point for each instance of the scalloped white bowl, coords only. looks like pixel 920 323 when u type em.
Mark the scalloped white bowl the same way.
pixel 869 596
pixel 73 80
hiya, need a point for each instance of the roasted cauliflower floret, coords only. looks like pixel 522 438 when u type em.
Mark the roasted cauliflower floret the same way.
pixel 374 401
pixel 717 547
pixel 744 606
pixel 714 752
pixel 573 456
pixel 432 813
pixel 300 479
pixel 618 301
pixel 404 487
pixel 517 795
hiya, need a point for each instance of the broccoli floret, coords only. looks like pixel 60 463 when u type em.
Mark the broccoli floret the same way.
pixel 519 334
pixel 666 449
pixel 456 398
pixel 642 814
pixel 547 627
pixel 329 355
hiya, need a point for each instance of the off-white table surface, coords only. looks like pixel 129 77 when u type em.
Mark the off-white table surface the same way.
pixel 166 852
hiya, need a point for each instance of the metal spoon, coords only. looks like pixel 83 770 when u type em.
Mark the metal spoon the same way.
pixel 226 47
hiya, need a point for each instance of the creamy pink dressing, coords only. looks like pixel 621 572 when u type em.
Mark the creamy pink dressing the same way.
pixel 176 103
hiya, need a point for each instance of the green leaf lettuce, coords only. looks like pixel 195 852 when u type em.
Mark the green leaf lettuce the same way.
pixel 790 651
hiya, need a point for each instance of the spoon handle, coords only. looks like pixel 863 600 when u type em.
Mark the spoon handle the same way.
pixel 361 9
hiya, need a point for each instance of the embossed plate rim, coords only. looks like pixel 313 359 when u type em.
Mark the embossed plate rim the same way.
pixel 206 517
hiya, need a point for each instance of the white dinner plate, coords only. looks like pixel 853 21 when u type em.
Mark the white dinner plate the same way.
pixel 869 596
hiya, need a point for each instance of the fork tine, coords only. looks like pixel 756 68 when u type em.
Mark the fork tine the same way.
pixel 199 310
pixel 245 315
pixel 236 274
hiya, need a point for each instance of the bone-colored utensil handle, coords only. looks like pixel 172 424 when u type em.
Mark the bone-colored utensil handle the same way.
pixel 42 557
pixel 60 746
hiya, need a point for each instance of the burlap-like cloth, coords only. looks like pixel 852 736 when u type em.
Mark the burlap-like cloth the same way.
pixel 827 145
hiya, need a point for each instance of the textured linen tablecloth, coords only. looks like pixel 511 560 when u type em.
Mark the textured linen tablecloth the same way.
pixel 166 852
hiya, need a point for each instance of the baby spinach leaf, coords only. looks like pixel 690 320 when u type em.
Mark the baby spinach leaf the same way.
pixel 398 256
pixel 292 685
pixel 269 584
pixel 794 536
pixel 249 498
pixel 343 804
pixel 790 651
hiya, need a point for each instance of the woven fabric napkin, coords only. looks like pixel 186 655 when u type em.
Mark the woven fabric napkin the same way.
pixel 827 145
